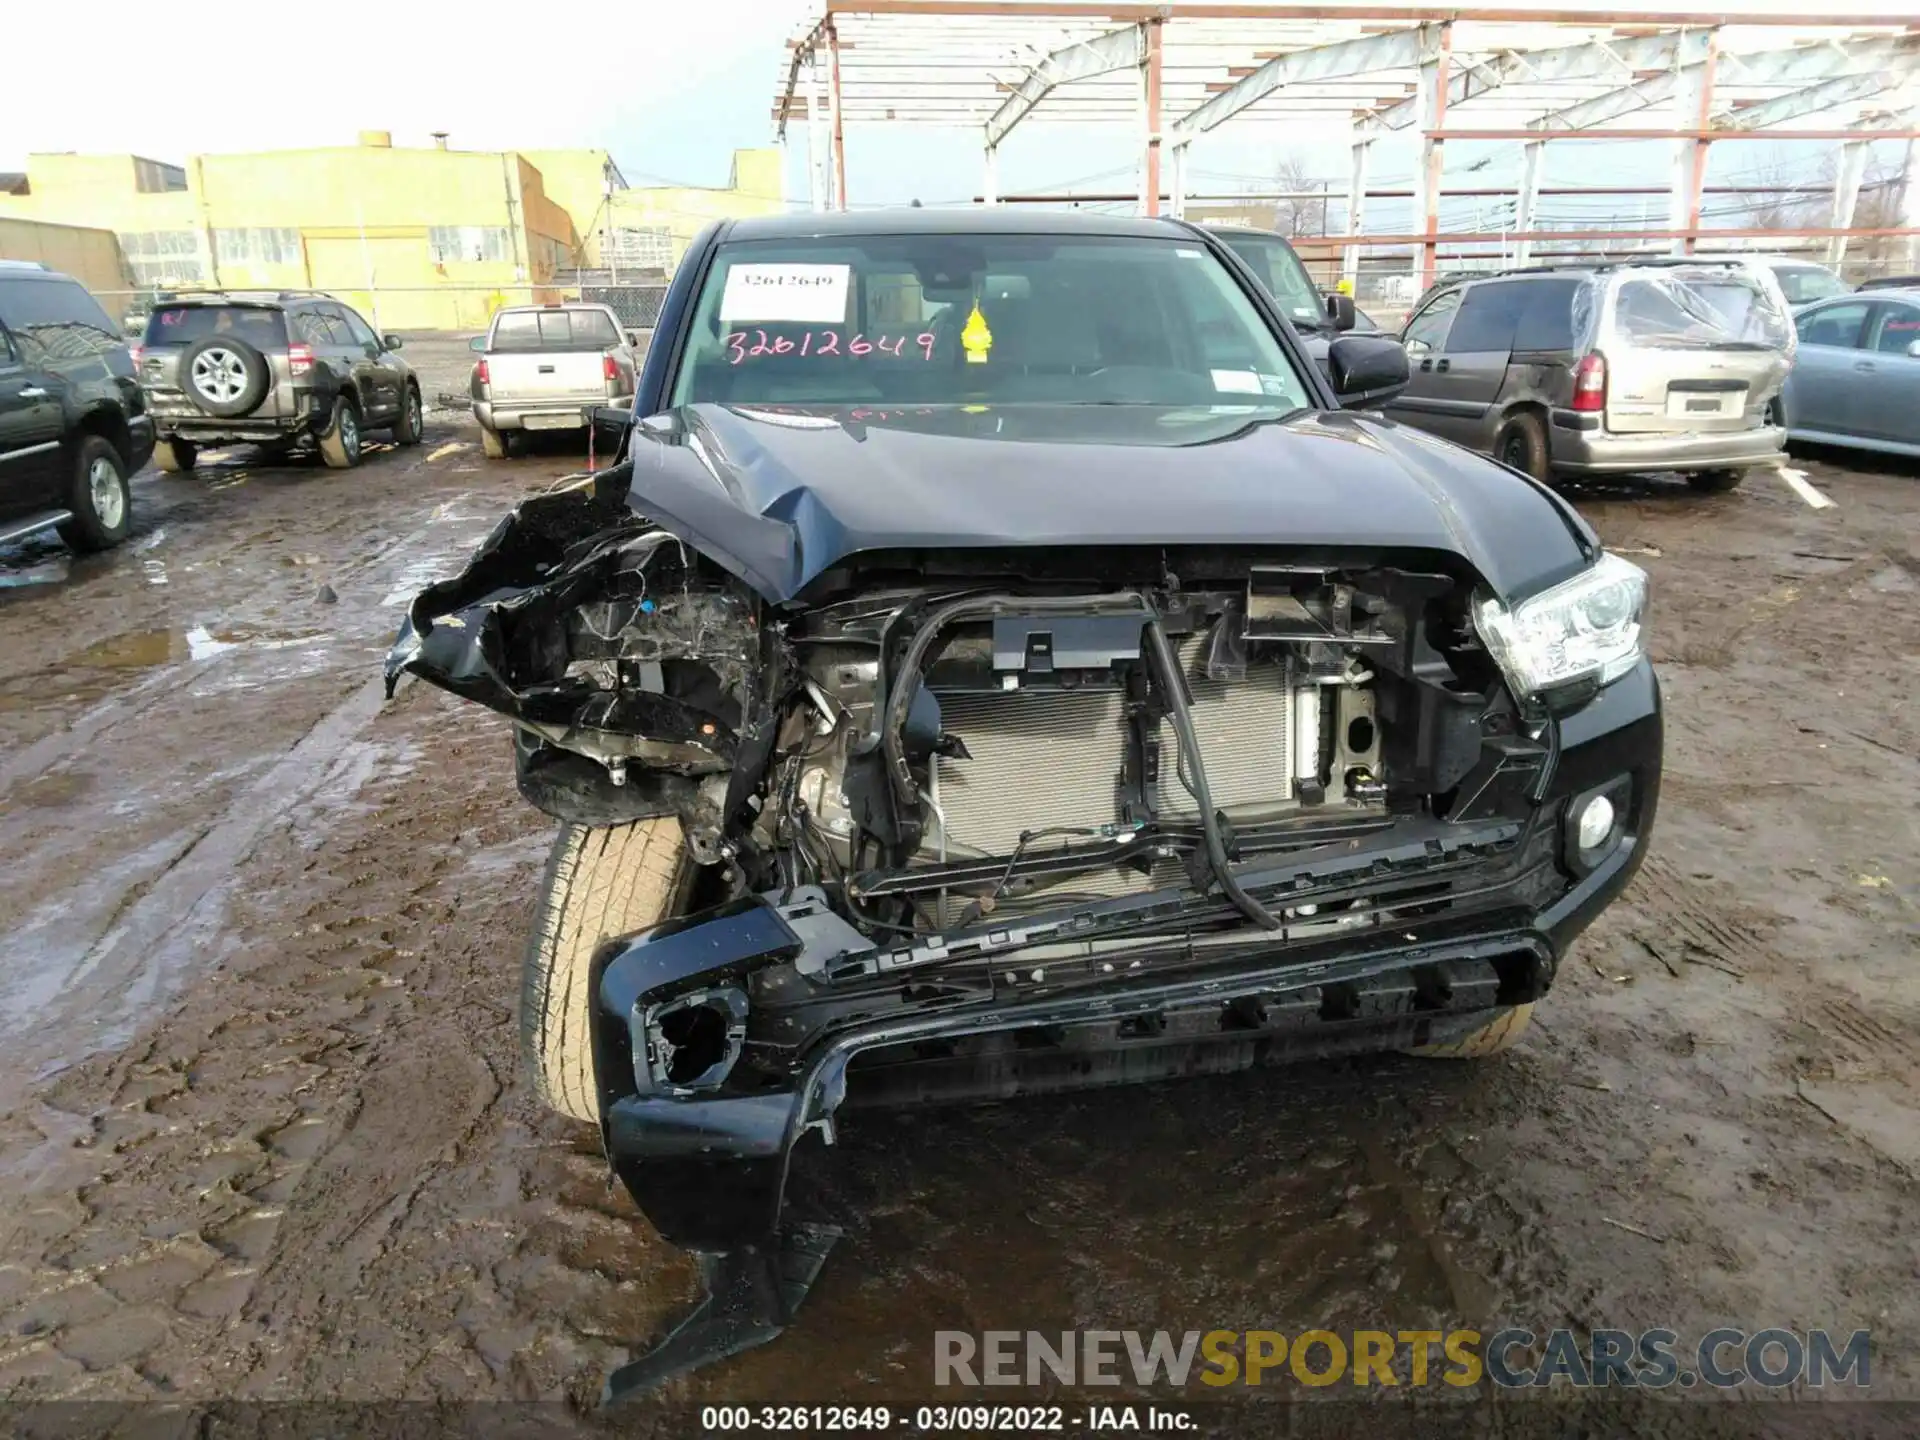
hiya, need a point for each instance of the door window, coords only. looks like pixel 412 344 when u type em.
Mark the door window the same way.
pixel 1895 330
pixel 1427 329
pixel 362 332
pixel 311 327
pixel 338 333
pixel 57 320
pixel 1488 317
pixel 1547 321
pixel 1837 325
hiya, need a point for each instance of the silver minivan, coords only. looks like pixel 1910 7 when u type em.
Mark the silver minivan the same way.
pixel 1604 369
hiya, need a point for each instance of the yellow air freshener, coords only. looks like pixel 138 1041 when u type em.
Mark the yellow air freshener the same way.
pixel 976 338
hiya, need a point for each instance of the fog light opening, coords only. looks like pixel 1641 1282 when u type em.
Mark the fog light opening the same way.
pixel 1594 827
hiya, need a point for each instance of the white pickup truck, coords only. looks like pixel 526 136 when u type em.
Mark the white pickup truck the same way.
pixel 545 367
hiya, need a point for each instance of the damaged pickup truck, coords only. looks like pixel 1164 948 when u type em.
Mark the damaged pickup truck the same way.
pixel 1000 662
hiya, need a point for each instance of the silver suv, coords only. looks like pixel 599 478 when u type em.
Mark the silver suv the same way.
pixel 284 371
pixel 1605 369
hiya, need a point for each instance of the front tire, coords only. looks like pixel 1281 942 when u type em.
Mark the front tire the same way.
pixel 176 457
pixel 1499 1034
pixel 601 881
pixel 1715 482
pixel 340 445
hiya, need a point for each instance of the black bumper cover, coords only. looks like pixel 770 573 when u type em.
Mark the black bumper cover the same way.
pixel 710 1167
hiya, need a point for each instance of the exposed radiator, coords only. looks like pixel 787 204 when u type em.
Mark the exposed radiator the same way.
pixel 1043 758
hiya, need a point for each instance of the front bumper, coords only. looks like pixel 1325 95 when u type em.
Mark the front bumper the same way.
pixel 1473 915
pixel 1578 451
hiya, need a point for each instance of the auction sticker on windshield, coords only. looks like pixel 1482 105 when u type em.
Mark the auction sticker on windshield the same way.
pixel 807 294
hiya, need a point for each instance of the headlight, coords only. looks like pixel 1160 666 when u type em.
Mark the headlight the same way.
pixel 1587 628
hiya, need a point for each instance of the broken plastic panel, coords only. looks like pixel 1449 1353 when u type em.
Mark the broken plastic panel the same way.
pixel 1701 307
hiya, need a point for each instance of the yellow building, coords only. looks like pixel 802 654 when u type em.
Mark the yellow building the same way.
pixel 91 256
pixel 431 238
pixel 651 227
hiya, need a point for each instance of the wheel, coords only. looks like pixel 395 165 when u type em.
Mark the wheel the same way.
pixel 411 423
pixel 176 457
pixel 340 445
pixel 102 509
pixel 223 376
pixel 493 444
pixel 1522 444
pixel 601 881
pixel 1714 482
pixel 1498 1034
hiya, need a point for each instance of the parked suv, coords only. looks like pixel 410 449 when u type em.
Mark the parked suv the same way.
pixel 1604 369
pixel 73 424
pixel 283 371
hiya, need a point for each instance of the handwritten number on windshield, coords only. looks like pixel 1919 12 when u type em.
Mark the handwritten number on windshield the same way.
pixel 821 343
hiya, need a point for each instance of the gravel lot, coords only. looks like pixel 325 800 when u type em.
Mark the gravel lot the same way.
pixel 262 1134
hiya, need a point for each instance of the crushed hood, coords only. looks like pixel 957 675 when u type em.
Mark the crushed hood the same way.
pixel 779 494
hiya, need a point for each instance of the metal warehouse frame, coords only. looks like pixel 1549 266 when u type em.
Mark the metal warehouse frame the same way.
pixel 1530 76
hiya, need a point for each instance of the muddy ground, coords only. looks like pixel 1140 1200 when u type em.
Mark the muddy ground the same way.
pixel 261 1134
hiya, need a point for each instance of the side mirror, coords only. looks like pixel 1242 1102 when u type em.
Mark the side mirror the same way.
pixel 1366 371
pixel 1913 349
pixel 392 342
pixel 1340 311
pixel 633 339
pixel 477 343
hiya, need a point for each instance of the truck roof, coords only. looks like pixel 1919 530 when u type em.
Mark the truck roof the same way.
pixel 999 220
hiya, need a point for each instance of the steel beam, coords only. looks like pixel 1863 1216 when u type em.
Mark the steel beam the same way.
pixel 1356 209
pixel 1846 195
pixel 1693 105
pixel 1587 61
pixel 1236 10
pixel 1910 201
pixel 1685 133
pixel 833 108
pixel 1150 105
pixel 1533 165
pixel 1103 55
pixel 1810 100
pixel 990 177
pixel 1610 106
pixel 1773 67
pixel 819 137
pixel 1432 92
pixel 1395 50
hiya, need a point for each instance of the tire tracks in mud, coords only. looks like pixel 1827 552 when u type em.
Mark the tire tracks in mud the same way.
pixel 51 751
pixel 151 942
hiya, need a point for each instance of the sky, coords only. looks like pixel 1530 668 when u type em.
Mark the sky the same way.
pixel 670 87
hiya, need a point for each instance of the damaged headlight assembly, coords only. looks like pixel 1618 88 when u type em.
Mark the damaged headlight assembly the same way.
pixel 1578 636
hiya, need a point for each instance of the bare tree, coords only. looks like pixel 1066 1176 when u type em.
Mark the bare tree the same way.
pixel 1299 217
pixel 1774 205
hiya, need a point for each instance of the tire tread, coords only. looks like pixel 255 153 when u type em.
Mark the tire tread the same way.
pixel 601 881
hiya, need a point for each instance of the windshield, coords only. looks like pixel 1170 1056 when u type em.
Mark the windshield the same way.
pixel 182 324
pixel 1689 307
pixel 1276 266
pixel 1803 284
pixel 978 319
pixel 554 330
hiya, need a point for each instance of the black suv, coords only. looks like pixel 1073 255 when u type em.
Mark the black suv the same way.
pixel 73 424
pixel 281 370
